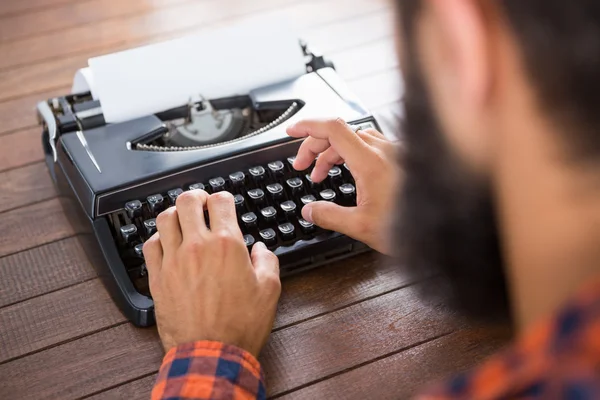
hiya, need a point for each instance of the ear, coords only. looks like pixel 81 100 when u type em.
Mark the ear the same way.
pixel 463 44
pixel 455 52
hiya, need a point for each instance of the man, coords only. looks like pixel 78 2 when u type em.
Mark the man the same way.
pixel 500 195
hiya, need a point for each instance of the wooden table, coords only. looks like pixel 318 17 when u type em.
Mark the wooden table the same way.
pixel 355 329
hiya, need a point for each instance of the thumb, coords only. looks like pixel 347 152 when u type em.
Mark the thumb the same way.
pixel 331 216
pixel 264 261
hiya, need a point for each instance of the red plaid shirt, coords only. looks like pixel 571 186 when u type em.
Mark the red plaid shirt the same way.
pixel 558 358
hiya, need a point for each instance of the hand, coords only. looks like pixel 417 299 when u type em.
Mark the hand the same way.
pixel 372 160
pixel 204 284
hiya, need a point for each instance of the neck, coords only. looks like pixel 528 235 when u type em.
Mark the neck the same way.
pixel 549 210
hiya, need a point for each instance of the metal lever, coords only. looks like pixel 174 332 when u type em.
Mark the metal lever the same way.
pixel 46 114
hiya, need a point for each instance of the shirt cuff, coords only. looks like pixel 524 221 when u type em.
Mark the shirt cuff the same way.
pixel 209 370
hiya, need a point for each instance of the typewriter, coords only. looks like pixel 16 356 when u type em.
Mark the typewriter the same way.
pixel 115 178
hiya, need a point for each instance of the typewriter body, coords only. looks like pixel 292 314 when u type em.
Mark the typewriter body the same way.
pixel 114 179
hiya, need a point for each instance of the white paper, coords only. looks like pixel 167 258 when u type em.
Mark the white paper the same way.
pixel 84 82
pixel 217 63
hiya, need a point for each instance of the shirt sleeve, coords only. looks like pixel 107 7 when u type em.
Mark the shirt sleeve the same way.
pixel 208 370
pixel 557 358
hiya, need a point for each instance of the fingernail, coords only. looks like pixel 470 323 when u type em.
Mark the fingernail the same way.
pixel 261 245
pixel 307 214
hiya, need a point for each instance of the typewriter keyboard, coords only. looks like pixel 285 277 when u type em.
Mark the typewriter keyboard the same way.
pixel 268 199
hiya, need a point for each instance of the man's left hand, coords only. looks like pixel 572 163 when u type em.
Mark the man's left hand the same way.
pixel 204 284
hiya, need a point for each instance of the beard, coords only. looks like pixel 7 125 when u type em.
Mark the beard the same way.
pixel 446 225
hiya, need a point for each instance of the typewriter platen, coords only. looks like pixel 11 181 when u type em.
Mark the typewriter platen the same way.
pixel 114 179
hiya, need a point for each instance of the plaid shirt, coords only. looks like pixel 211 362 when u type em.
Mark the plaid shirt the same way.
pixel 557 359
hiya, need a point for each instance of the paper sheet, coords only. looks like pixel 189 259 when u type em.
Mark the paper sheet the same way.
pixel 216 63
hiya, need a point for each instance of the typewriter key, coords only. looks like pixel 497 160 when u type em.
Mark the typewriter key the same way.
pixel 257 174
pixel 268 236
pixel 217 184
pixel 307 227
pixel 295 185
pixel 249 240
pixel 289 208
pixel 269 214
pixel 237 178
pixel 276 168
pixel 275 190
pixel 257 196
pixel 196 186
pixel 129 233
pixel 287 231
pixel 156 203
pixel 134 209
pixel 173 195
pixel 239 202
pixel 249 220
pixel 139 250
pixel 309 198
pixel 327 195
pixel 150 227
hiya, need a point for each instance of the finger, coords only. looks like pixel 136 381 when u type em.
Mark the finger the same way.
pixel 221 211
pixel 331 216
pixel 339 135
pixel 308 151
pixel 190 210
pixel 264 261
pixel 167 224
pixel 324 163
pixel 153 254
pixel 376 133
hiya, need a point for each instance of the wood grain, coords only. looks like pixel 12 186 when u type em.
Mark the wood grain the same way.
pixel 83 366
pixel 402 375
pixel 57 72
pixel 20 113
pixel 323 346
pixel 85 308
pixel 21 148
pixel 32 226
pixel 11 8
pixel 139 389
pixel 24 186
pixel 43 269
pixel 74 14
pixel 293 357
pixel 54 318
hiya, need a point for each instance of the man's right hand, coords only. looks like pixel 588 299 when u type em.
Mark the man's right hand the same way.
pixel 373 162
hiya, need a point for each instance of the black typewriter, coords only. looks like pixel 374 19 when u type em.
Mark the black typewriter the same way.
pixel 114 179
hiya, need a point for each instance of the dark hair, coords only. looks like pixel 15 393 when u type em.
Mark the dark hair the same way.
pixel 559 43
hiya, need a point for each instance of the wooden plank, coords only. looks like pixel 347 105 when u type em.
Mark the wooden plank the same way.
pixel 59 72
pixel 137 390
pixel 367 59
pixel 302 354
pixel 302 299
pixel 349 33
pixel 24 186
pixel 54 318
pixel 43 269
pixel 21 148
pixel 20 113
pixel 114 32
pixel 32 226
pixel 16 7
pixel 294 356
pixel 368 275
pixel 69 15
pixel 84 366
pixel 403 375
